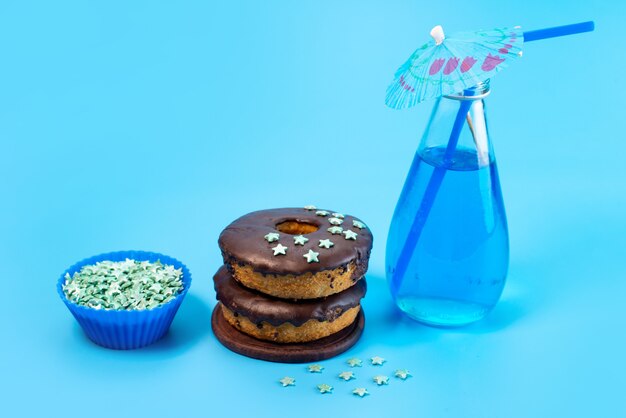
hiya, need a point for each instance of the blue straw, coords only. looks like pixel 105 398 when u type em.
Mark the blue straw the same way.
pixel 536 35
pixel 429 195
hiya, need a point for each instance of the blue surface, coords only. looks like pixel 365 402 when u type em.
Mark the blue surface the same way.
pixel 152 126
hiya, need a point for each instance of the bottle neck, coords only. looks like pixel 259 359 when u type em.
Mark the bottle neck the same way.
pixel 473 141
pixel 477 92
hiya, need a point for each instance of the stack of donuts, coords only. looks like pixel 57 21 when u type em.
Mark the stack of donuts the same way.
pixel 292 279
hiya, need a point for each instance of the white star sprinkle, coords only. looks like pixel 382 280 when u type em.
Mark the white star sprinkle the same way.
pixel 287 381
pixel 346 376
pixel 381 380
pixel 272 236
pixel 354 362
pixel 335 230
pixel 311 257
pixel 324 388
pixel 300 240
pixel 360 392
pixel 377 361
pixel 322 213
pixel 280 249
pixel 326 243
pixel 349 234
pixel 402 374
pixel 315 368
pixel 335 221
pixel 338 215
pixel 358 224
pixel 310 207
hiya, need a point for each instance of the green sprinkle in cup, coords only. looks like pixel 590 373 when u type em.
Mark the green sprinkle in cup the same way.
pixel 126 299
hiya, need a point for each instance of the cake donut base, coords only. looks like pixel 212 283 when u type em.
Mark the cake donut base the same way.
pixel 312 351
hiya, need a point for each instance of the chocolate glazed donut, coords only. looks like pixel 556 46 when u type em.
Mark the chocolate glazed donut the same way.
pixel 296 253
pixel 277 320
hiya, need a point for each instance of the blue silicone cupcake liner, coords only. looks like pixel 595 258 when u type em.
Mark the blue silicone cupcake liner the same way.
pixel 126 329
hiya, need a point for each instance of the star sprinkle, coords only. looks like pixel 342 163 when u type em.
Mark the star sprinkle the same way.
pixel 280 249
pixel 310 207
pixel 123 285
pixel 287 381
pixel 272 236
pixel 346 376
pixel 300 240
pixel 381 380
pixel 358 224
pixel 402 374
pixel 349 234
pixel 315 368
pixel 322 213
pixel 338 215
pixel 326 243
pixel 377 361
pixel 360 392
pixel 354 362
pixel 324 388
pixel 311 257
pixel 335 230
pixel 335 221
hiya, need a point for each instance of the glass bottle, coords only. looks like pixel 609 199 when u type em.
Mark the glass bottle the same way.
pixel 448 247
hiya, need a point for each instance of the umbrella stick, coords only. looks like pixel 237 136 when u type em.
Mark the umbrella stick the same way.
pixel 429 196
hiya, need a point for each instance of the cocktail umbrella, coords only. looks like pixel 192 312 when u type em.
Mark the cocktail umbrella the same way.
pixel 449 65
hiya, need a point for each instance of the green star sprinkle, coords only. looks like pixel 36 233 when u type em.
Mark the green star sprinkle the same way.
pixel 360 392
pixel 123 285
pixel 358 224
pixel 280 249
pixel 315 368
pixel 335 221
pixel 338 215
pixel 346 376
pixel 402 374
pixel 322 213
pixel 326 243
pixel 335 230
pixel 311 257
pixel 300 240
pixel 310 207
pixel 377 361
pixel 272 236
pixel 349 234
pixel 354 362
pixel 324 388
pixel 381 380
pixel 287 381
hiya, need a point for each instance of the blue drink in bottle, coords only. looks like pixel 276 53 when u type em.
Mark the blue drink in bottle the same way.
pixel 447 249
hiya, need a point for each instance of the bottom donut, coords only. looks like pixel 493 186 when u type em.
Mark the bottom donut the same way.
pixel 317 350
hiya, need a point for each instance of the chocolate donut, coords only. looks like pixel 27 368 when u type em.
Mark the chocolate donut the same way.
pixel 268 318
pixel 296 253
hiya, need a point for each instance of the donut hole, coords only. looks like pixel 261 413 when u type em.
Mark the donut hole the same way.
pixel 296 227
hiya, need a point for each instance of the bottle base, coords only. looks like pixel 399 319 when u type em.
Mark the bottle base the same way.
pixel 445 313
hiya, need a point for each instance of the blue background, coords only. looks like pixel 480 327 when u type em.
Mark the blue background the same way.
pixel 153 125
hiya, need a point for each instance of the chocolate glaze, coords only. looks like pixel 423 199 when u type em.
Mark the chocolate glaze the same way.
pixel 258 307
pixel 243 242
